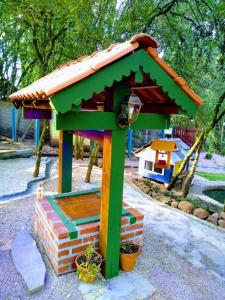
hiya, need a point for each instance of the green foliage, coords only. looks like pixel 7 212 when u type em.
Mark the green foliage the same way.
pixel 88 271
pixel 208 155
pixel 212 176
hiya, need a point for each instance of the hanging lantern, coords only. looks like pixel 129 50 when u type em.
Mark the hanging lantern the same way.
pixel 130 109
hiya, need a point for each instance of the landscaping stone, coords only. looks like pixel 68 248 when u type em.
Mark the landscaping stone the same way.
pixel 165 200
pixel 28 261
pixel 174 204
pixel 186 206
pixel 216 215
pixel 201 213
pixel 130 285
pixel 177 193
pixel 221 223
pixel 222 215
pixel 212 219
pixel 146 189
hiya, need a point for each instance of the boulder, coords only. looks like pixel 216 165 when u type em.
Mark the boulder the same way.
pixel 201 213
pixel 186 206
pixel 221 223
pixel 165 200
pixel 154 195
pixel 174 204
pixel 216 215
pixel 212 219
pixel 177 194
pixel 146 189
pixel 222 215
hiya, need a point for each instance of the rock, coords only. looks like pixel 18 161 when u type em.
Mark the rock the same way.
pixel 216 215
pixel 146 189
pixel 221 223
pixel 212 219
pixel 186 206
pixel 162 187
pixel 28 261
pixel 201 213
pixel 154 195
pixel 177 194
pixel 222 215
pixel 165 200
pixel 174 204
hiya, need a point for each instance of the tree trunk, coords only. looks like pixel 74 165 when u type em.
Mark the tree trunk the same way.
pixel 79 147
pixel 92 161
pixel 193 168
pixel 39 149
pixel 185 161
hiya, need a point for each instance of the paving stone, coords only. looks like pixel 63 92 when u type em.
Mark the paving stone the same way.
pixel 126 286
pixel 28 261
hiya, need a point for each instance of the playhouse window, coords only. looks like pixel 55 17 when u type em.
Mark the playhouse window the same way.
pixel 148 165
pixel 158 170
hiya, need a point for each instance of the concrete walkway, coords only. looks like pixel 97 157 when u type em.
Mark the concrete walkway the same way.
pixel 197 241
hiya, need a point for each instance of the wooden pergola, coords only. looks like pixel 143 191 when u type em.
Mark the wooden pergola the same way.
pixel 86 95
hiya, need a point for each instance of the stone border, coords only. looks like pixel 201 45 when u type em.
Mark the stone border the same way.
pixel 206 185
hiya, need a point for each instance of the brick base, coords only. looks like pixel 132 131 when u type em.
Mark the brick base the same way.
pixel 61 249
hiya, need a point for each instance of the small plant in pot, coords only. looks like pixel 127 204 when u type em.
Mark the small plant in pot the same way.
pixel 128 255
pixel 88 264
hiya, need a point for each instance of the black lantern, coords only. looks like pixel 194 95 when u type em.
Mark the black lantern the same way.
pixel 130 109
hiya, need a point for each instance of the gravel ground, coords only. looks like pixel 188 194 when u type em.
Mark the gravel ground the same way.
pixel 172 275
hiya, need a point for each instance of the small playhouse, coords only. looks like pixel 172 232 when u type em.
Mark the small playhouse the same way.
pixel 100 97
pixel 159 160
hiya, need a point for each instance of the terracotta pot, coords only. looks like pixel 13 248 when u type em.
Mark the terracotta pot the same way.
pixel 89 280
pixel 128 261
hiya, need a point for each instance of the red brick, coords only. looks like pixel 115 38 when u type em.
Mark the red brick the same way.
pixel 135 226
pixel 70 243
pixel 124 221
pixel 138 232
pixel 63 253
pixel 127 236
pixel 79 249
pixel 135 213
pixel 62 269
pixel 91 238
pixel 67 260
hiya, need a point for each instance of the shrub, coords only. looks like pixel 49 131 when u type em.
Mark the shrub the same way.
pixel 208 155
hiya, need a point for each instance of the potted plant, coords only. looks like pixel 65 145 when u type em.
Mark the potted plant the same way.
pixel 128 255
pixel 88 264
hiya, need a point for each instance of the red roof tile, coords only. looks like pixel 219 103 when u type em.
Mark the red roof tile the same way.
pixel 83 67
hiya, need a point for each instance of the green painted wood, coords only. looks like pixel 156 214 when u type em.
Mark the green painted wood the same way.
pixel 139 75
pixel 72 96
pixel 107 121
pixel 66 221
pixel 72 194
pixel 67 157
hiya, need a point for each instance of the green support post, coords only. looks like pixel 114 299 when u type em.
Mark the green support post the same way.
pixel 65 162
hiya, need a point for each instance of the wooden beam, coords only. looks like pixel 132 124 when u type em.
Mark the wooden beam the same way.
pixel 111 202
pixel 112 192
pixel 106 121
pixel 94 135
pixel 165 109
pixel 65 162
